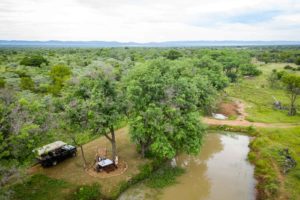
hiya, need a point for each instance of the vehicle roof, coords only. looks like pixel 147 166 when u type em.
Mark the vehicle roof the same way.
pixel 50 147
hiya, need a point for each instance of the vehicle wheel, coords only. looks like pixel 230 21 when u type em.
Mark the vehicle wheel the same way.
pixel 54 163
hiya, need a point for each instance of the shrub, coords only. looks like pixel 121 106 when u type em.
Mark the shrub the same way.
pixel 35 61
pixel 88 192
pixel 2 82
pixel 288 67
pixel 59 74
pixel 297 62
pixel 164 177
pixel 27 83
pixel 173 54
pixel 249 70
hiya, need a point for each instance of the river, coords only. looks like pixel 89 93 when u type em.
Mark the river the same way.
pixel 220 172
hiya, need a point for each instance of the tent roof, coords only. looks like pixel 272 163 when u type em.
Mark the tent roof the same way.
pixel 49 147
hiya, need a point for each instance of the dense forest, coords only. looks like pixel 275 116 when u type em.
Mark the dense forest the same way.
pixel 79 94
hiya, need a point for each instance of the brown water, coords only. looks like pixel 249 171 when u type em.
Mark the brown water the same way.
pixel 220 172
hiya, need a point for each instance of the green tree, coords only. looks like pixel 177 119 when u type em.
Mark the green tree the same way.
pixel 2 82
pixel 100 104
pixel 297 62
pixel 76 112
pixel 173 54
pixel 273 78
pixel 59 74
pixel 163 109
pixel 292 83
pixel 24 124
pixel 27 83
pixel 34 60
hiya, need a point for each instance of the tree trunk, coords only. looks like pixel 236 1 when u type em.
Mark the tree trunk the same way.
pixel 143 149
pixel 112 140
pixel 113 143
pixel 293 110
pixel 82 152
pixel 83 157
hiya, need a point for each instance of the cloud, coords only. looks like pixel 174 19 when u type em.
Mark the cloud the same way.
pixel 150 20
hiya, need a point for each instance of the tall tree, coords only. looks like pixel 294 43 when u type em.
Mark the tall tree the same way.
pixel 292 83
pixel 163 97
pixel 100 96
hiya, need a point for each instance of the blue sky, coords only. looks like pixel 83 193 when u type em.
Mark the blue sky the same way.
pixel 150 20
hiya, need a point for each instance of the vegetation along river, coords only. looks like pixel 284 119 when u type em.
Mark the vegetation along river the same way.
pixel 220 171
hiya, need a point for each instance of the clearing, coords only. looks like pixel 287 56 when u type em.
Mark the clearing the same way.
pixel 71 170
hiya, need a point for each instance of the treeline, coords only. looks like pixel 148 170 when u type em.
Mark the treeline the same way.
pixel 279 55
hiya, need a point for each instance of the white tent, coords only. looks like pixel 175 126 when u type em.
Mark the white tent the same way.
pixel 49 147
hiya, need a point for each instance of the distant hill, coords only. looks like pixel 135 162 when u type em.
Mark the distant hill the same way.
pixel 56 43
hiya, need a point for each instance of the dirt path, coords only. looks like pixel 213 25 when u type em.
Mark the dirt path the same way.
pixel 241 120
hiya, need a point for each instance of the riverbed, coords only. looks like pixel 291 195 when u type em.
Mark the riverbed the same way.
pixel 221 171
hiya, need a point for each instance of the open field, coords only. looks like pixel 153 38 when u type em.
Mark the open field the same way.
pixel 257 95
pixel 266 148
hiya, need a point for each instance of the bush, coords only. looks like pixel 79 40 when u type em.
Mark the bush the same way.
pixel 173 54
pixel 88 192
pixel 145 172
pixel 59 74
pixel 35 61
pixel 249 70
pixel 27 83
pixel 297 62
pixel 164 177
pixel 2 82
pixel 288 67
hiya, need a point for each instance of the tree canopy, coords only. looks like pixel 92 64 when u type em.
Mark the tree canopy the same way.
pixel 34 60
pixel 164 100
pixel 292 83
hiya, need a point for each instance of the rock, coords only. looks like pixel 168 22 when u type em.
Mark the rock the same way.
pixel 219 116
pixel 173 162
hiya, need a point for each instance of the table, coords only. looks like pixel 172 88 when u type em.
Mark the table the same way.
pixel 106 165
pixel 105 162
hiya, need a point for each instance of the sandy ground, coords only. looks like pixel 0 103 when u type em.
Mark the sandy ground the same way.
pixel 241 119
pixel 72 169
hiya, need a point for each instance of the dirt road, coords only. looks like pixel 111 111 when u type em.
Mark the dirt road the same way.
pixel 241 120
pixel 211 121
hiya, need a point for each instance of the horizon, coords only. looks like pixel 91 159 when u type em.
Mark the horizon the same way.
pixel 174 44
pixel 53 40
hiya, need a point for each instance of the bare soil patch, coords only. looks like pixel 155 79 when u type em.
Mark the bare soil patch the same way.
pixel 71 170
pixel 227 109
pixel 238 108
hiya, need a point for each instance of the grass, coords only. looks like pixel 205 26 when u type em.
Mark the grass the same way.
pixel 41 187
pixel 88 192
pixel 287 138
pixel 268 143
pixel 164 176
pixel 269 163
pixel 257 95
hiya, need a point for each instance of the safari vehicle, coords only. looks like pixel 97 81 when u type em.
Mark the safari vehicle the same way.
pixel 51 154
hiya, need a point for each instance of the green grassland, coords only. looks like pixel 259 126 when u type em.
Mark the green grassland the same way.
pixel 269 163
pixel 257 94
pixel 41 187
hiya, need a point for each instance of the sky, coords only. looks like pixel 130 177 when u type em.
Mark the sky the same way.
pixel 150 20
